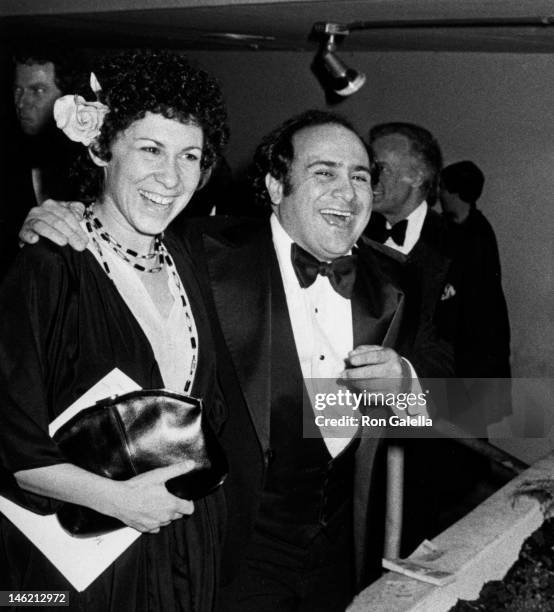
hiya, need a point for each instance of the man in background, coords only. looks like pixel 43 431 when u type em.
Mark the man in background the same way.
pixel 481 337
pixel 36 156
pixel 446 269
pixel 34 92
pixel 409 161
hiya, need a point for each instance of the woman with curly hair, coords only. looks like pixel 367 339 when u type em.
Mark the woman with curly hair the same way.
pixel 130 301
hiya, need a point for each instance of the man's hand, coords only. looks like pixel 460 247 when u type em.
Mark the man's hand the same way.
pixel 374 368
pixel 372 361
pixel 57 221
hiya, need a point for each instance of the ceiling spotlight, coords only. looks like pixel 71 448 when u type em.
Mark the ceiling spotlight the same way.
pixel 341 79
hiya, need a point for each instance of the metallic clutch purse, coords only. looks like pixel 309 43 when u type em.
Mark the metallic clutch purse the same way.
pixel 126 435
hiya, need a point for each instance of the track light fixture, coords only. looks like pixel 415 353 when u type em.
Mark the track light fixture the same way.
pixel 341 79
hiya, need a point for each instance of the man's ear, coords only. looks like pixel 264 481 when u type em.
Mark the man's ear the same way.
pixel 95 157
pixel 274 188
pixel 416 177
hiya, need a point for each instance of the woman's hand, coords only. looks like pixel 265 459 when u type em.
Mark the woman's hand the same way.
pixel 57 221
pixel 141 502
pixel 144 503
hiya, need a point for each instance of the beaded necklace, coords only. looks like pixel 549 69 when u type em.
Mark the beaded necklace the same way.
pixel 96 230
pixel 161 256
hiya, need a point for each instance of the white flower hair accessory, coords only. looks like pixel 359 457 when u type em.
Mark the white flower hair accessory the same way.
pixel 80 120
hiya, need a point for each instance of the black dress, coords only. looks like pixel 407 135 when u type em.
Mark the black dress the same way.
pixel 64 326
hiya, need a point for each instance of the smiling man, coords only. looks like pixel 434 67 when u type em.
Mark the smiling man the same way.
pixel 326 201
pixel 298 296
pixel 409 160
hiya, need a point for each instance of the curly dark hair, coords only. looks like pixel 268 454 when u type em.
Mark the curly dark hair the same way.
pixel 423 146
pixel 162 82
pixel 275 153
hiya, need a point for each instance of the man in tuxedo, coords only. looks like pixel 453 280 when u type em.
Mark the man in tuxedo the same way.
pixel 298 297
pixel 454 266
pixel 409 161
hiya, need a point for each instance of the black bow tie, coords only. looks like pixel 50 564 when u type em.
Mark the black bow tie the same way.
pixel 341 272
pixel 397 232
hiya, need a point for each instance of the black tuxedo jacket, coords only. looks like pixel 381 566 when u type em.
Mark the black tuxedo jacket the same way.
pixel 431 271
pixel 454 273
pixel 235 257
pixel 432 257
pixel 428 270
pixel 429 260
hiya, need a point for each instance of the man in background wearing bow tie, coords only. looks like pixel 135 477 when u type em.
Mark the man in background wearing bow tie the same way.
pixel 409 160
pixel 444 261
pixel 298 297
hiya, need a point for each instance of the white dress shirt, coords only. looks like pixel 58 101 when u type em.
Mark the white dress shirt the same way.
pixel 321 321
pixel 413 231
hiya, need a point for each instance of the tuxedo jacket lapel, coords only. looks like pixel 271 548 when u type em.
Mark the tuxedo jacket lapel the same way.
pixel 431 251
pixel 238 261
pixel 377 305
pixel 377 312
pixel 429 271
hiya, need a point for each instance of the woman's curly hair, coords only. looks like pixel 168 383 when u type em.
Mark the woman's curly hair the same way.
pixel 162 82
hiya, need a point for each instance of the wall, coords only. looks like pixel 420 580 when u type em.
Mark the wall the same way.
pixel 496 109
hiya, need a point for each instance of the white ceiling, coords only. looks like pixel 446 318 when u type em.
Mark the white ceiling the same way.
pixel 442 25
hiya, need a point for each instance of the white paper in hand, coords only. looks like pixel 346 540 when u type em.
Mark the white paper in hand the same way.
pixel 80 560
